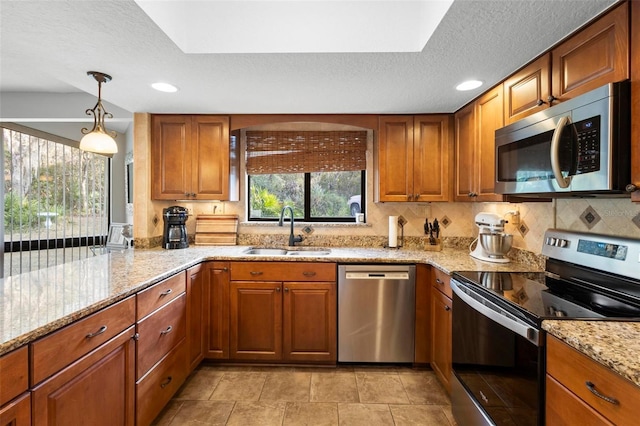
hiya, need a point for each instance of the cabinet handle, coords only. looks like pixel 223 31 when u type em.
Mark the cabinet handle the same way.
pixel 309 274
pixel 286 289
pixel 225 269
pixel 166 382
pixel 550 99
pixel 97 333
pixel 439 281
pixel 540 102
pixel 166 292
pixel 592 389
pixel 278 289
pixel 447 307
pixel 167 331
pixel 256 272
pixel 472 194
pixel 416 197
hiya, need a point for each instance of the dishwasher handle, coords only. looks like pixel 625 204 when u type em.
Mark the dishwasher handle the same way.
pixel 390 275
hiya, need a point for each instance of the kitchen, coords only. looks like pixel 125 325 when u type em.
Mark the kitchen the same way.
pixel 615 215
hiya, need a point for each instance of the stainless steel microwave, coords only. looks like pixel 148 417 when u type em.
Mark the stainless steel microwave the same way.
pixel 580 147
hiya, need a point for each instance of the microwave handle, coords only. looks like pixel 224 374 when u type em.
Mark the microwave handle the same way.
pixel 563 182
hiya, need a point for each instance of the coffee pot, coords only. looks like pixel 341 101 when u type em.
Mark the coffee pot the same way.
pixel 175 228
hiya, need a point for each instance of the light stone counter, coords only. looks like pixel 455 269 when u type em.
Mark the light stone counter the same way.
pixel 615 344
pixel 37 303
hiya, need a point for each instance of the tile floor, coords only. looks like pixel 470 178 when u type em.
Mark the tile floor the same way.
pixel 371 396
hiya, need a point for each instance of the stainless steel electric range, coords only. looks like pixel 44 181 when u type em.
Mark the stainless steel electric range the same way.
pixel 498 344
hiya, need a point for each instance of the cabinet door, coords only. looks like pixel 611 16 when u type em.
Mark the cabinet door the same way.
pixel 171 157
pixel 432 142
pixel 441 335
pixel 96 390
pixel 465 153
pixel 527 91
pixel 217 295
pixel 595 56
pixel 395 158
pixel 210 157
pixel 256 320
pixel 635 98
pixel 196 315
pixel 489 118
pixel 17 412
pixel 310 317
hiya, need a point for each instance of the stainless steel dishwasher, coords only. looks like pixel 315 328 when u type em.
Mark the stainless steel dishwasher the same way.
pixel 376 313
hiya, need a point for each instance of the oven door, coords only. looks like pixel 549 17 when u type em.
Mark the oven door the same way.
pixel 498 362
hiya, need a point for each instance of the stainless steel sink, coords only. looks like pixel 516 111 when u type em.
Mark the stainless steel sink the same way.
pixel 298 251
pixel 266 251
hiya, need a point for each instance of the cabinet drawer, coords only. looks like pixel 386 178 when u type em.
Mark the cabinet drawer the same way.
pixel 157 295
pixel 564 408
pixel 14 374
pixel 282 271
pixel 156 388
pixel 441 281
pixel 160 332
pixel 574 370
pixel 64 346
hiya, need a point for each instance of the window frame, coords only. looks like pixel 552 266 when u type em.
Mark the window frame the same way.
pixel 307 203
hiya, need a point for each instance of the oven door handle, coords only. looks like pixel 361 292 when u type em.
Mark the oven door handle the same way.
pixel 563 182
pixel 496 314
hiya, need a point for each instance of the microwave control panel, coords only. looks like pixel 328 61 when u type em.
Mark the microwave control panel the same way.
pixel 588 135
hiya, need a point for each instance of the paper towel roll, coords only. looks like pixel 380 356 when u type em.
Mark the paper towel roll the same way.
pixel 393 231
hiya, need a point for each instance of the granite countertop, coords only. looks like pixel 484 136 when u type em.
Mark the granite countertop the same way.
pixel 37 303
pixel 615 344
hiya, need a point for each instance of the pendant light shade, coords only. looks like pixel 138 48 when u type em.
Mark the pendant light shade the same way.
pixel 97 139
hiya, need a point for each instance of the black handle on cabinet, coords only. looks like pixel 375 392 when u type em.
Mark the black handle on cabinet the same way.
pixel 167 331
pixel 286 289
pixel 256 272
pixel 309 274
pixel 166 292
pixel 278 289
pixel 439 281
pixel 97 333
pixel 593 390
pixel 166 382
pixel 447 307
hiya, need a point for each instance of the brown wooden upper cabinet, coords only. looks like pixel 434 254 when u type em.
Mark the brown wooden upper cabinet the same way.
pixel 596 55
pixel 190 157
pixel 414 154
pixel 475 127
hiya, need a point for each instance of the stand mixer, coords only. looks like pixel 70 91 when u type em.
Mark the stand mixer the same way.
pixel 492 244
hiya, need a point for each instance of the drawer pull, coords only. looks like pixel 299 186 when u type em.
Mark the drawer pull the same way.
pixel 97 333
pixel 167 331
pixel 593 390
pixel 256 272
pixel 166 292
pixel 166 382
pixel 439 281
pixel 447 307
pixel 309 274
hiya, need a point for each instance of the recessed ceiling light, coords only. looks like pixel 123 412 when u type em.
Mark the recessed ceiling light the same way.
pixel 469 85
pixel 165 87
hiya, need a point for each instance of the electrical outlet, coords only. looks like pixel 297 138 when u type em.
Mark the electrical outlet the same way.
pixel 218 207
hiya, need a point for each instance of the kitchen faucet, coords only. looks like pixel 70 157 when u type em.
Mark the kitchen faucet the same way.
pixel 292 239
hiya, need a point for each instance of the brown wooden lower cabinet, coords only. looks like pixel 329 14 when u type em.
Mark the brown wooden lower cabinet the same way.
pixel 97 389
pixel 441 337
pixel 17 412
pixel 216 292
pixel 156 388
pixel 196 315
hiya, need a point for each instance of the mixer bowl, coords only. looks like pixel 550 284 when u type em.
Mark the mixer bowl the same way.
pixel 496 245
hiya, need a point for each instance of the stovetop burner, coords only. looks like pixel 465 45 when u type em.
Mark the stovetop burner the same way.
pixel 543 297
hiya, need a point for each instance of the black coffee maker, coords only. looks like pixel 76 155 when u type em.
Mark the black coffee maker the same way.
pixel 175 228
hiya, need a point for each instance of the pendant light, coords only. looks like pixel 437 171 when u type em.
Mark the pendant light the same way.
pixel 97 139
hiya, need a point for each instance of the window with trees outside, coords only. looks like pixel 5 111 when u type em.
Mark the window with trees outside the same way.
pixel 320 174
pixel 56 200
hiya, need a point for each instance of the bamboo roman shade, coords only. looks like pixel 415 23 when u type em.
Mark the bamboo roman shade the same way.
pixel 272 152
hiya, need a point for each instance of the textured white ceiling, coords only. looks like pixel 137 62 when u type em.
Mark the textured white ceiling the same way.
pixel 48 46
